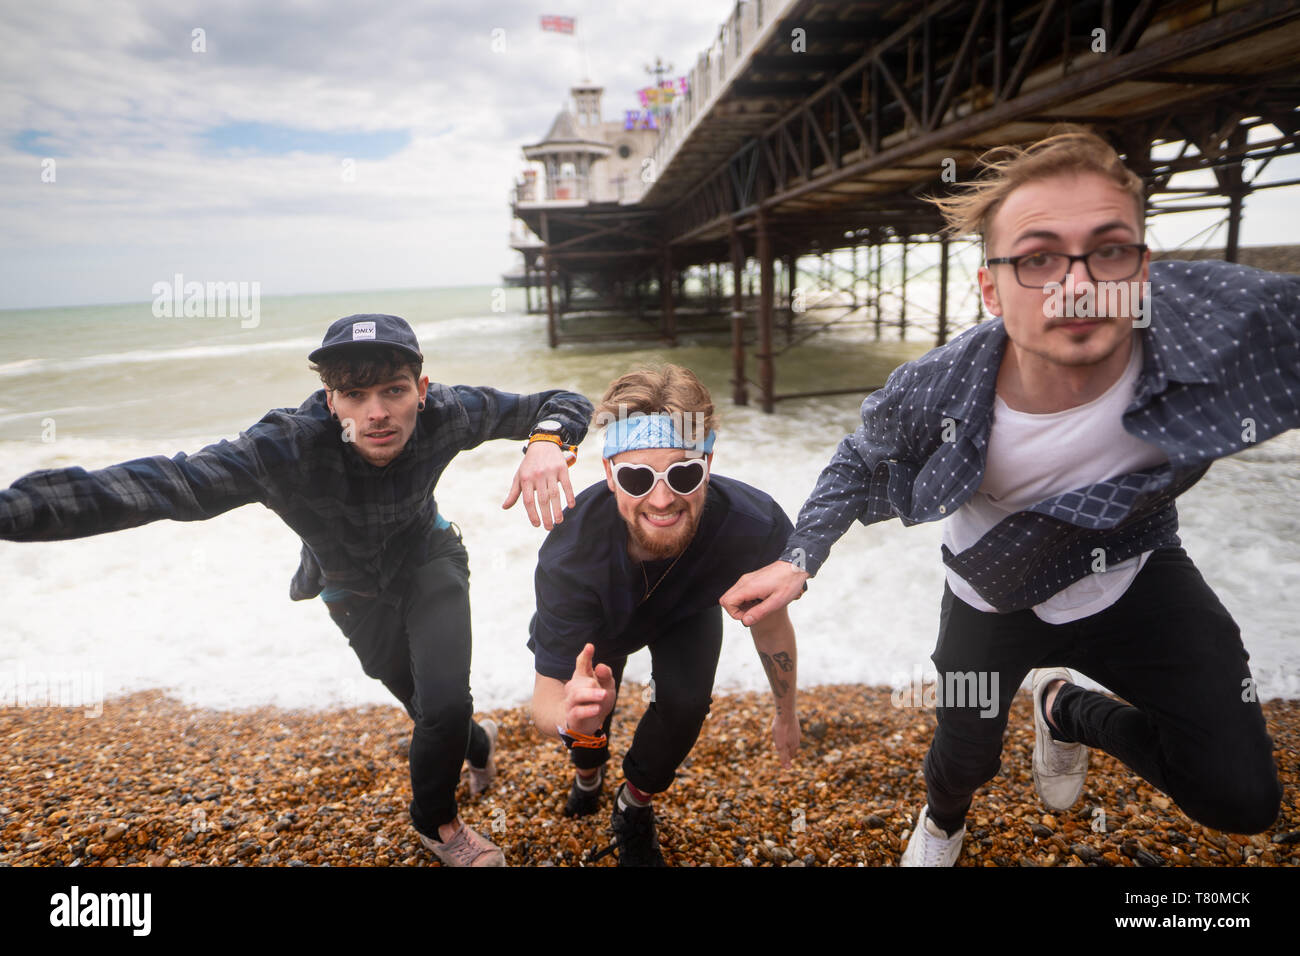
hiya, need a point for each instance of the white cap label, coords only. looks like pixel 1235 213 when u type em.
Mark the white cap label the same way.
pixel 363 330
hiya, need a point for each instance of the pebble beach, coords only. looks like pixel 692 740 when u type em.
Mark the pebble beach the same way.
pixel 154 782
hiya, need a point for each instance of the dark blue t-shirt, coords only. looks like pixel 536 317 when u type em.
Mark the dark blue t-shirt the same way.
pixel 589 589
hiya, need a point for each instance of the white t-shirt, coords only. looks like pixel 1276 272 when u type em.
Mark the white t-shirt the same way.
pixel 1034 457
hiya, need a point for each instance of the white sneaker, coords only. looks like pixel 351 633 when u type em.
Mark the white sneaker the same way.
pixel 930 846
pixel 1059 768
pixel 481 778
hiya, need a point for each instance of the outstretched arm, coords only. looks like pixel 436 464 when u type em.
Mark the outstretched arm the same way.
pixel 74 503
pixel 775 643
pixel 853 486
pixel 493 413
pixel 543 476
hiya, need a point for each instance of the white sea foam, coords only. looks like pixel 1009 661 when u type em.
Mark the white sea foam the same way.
pixel 202 608
pixel 20 367
pixel 142 356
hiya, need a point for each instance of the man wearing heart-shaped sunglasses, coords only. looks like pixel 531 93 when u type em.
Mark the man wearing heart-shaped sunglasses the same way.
pixel 641 561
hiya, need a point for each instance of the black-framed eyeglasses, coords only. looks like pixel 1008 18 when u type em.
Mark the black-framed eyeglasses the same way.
pixel 682 477
pixel 1109 263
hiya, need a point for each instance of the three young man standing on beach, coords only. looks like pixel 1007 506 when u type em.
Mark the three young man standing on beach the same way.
pixel 1054 440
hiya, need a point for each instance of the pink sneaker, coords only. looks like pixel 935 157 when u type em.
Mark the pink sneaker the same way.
pixel 481 778
pixel 466 848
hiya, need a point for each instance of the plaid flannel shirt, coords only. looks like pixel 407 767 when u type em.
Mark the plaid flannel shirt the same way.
pixel 1221 372
pixel 360 525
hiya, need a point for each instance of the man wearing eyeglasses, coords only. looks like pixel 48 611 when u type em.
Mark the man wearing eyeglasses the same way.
pixel 1052 442
pixel 640 561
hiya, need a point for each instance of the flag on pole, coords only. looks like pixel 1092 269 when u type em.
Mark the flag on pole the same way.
pixel 558 24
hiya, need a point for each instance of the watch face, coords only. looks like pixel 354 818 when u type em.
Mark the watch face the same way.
pixel 550 425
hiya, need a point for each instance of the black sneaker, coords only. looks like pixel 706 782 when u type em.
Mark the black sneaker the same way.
pixel 634 837
pixel 582 803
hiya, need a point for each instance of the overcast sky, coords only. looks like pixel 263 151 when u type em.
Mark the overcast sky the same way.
pixel 228 164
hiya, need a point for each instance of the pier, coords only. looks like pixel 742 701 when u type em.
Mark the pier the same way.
pixel 808 132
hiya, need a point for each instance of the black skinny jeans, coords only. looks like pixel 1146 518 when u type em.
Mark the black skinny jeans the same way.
pixel 1192 726
pixel 415 638
pixel 683 663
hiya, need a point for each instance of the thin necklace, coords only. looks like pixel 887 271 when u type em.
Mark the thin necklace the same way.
pixel 646 577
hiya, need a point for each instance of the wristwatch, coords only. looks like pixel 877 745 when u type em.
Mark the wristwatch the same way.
pixel 550 426
pixel 552 431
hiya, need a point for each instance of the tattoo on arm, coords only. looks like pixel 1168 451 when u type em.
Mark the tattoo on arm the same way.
pixel 780 686
pixel 783 659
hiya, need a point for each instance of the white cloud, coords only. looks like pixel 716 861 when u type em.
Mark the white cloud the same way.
pixel 123 103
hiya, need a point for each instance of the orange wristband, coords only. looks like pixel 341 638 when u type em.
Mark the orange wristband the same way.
pixel 573 739
pixel 570 451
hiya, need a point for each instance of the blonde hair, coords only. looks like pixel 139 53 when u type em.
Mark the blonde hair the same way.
pixel 674 389
pixel 1070 149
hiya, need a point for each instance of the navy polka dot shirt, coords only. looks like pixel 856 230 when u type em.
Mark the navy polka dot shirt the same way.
pixel 1221 372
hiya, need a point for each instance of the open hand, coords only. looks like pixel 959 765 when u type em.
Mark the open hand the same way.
pixel 543 474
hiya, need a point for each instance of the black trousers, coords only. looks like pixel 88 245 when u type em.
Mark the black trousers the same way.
pixel 1192 727
pixel 416 640
pixel 683 664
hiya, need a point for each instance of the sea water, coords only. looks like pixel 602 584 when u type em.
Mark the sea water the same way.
pixel 202 609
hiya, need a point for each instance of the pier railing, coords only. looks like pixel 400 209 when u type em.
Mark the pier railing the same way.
pixel 731 49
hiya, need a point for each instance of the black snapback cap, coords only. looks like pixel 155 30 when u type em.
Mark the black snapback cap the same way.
pixel 367 331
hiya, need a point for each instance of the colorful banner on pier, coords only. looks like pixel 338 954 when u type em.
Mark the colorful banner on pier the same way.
pixel 659 98
pixel 655 101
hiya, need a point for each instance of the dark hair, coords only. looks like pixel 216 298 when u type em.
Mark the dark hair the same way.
pixel 362 368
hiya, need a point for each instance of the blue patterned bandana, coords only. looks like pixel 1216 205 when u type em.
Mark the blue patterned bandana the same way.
pixel 660 430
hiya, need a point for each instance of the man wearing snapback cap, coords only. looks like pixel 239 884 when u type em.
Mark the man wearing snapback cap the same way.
pixel 352 472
